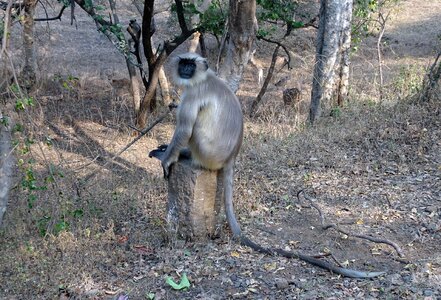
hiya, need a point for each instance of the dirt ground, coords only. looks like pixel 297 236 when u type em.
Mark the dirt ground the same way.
pixel 374 169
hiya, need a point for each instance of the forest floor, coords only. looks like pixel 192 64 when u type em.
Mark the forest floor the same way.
pixel 373 169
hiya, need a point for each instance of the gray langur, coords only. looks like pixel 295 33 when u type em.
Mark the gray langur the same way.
pixel 210 126
pixel 135 31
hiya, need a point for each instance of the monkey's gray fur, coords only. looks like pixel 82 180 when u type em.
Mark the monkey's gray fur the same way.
pixel 210 125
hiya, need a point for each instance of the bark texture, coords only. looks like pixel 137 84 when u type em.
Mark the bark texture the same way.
pixel 345 50
pixel 6 165
pixel 242 29
pixel 134 83
pixel 331 70
pixel 194 202
pixel 29 73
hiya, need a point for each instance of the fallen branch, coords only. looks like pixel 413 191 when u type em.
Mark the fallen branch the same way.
pixel 141 134
pixel 338 229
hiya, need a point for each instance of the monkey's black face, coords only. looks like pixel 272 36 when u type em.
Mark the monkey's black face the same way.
pixel 186 68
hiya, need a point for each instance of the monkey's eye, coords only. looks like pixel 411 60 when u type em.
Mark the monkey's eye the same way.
pixel 186 68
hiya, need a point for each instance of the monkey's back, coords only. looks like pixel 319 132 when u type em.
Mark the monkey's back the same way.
pixel 217 133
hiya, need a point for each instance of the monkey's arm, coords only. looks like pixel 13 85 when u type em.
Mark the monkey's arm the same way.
pixel 186 118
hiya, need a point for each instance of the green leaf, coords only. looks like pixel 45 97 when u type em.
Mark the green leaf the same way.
pixel 4 120
pixel 19 105
pixel 150 296
pixel 61 226
pixel 77 213
pixel 182 285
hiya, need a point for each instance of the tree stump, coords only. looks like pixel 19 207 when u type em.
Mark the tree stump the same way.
pixel 195 206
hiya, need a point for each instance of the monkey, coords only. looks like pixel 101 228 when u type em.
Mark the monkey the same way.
pixel 135 31
pixel 210 130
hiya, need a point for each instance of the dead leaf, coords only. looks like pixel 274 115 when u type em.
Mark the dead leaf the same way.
pixel 270 266
pixel 141 249
pixel 122 239
pixel 235 254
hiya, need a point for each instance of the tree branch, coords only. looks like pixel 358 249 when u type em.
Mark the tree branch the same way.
pixel 181 17
pixel 52 18
pixel 265 83
pixel 259 37
pixel 141 134
pixel 4 5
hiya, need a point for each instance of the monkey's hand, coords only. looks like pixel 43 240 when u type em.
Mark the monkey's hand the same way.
pixel 158 152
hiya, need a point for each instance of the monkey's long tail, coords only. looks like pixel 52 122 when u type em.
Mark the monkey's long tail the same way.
pixel 309 259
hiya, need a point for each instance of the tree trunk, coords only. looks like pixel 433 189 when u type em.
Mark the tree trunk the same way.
pixel 148 103
pixel 28 72
pixel 5 72
pixel 134 83
pixel 134 87
pixel 6 163
pixel 343 87
pixel 242 28
pixel 165 88
pixel 262 92
pixel 195 206
pixel 331 70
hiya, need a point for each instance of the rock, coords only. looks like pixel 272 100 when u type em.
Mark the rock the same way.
pixel 431 209
pixel 281 283
pixel 395 279
pixel 408 278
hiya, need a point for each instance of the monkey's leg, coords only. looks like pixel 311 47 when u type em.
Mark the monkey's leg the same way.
pixel 185 154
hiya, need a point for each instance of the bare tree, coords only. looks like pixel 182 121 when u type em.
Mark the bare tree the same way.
pixel 331 70
pixel 156 60
pixel 242 27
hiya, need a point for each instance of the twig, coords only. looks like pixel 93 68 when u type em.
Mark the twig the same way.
pixel 222 45
pixel 134 128
pixel 259 37
pixel 52 18
pixel 336 260
pixel 338 229
pixel 382 21
pixel 4 5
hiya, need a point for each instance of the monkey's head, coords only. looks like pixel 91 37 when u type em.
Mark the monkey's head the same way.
pixel 190 69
